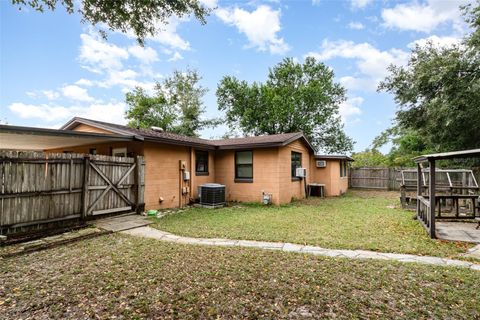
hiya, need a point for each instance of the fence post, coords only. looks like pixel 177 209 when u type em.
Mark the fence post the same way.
pixel 138 185
pixel 391 179
pixel 86 182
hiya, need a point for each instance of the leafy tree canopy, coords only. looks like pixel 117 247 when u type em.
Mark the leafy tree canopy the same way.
pixel 176 106
pixel 143 18
pixel 438 94
pixel 369 158
pixel 295 97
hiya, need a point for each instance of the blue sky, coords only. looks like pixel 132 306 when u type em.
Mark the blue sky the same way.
pixel 53 67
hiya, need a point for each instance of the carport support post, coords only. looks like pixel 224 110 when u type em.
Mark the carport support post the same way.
pixel 419 188
pixel 431 190
pixel 86 182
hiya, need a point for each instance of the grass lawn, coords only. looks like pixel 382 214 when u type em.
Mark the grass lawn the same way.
pixel 357 220
pixel 122 276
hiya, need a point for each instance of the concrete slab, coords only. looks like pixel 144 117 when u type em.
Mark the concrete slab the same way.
pixel 458 231
pixel 121 223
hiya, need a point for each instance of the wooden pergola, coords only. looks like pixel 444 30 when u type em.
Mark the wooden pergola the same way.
pixel 426 203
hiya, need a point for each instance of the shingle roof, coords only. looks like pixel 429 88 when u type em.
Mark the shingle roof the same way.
pixel 147 134
pixel 260 141
pixel 273 140
pixel 333 156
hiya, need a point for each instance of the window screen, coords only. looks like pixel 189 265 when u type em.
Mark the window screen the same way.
pixel 296 162
pixel 244 165
pixel 201 161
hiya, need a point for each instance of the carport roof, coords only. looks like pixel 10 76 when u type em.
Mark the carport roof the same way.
pixel 29 138
pixel 448 155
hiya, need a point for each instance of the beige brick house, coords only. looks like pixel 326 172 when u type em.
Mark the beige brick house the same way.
pixel 248 167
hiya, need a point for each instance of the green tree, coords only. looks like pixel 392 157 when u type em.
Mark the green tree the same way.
pixel 143 18
pixel 369 158
pixel 176 105
pixel 146 111
pixel 438 94
pixel 185 95
pixel 295 97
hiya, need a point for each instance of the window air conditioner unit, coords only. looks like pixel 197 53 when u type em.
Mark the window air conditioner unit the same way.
pixel 211 195
pixel 301 172
pixel 321 163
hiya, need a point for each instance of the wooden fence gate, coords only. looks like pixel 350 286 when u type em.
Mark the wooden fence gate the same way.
pixel 46 190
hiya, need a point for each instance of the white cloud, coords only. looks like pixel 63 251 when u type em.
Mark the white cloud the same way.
pixel 76 93
pixel 316 2
pixel 168 36
pixel 99 55
pixel 359 83
pixel 371 62
pixel 144 54
pixel 350 107
pixel 259 26
pixel 111 112
pixel 51 94
pixel 84 82
pixel 175 57
pixel 120 77
pixel 423 17
pixel 356 25
pixel 42 111
pixel 359 4
pixel 209 3
pixel 446 41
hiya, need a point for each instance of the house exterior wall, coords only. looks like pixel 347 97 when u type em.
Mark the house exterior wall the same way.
pixel 197 180
pixel 292 188
pixel 271 172
pixel 163 176
pixel 330 176
pixel 265 175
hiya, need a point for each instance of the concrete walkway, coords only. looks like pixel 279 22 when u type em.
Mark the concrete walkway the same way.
pixel 149 232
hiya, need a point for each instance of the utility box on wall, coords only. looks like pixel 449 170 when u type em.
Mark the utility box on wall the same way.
pixel 183 164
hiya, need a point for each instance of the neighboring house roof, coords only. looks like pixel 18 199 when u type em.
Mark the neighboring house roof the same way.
pixel 28 138
pixel 333 157
pixel 146 134
pixel 265 141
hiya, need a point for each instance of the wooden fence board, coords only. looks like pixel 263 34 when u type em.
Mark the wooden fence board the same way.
pixel 37 187
pixel 375 178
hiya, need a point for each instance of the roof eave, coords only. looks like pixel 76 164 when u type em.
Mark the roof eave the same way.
pixel 61 133
pixel 71 124
pixel 334 157
pixel 448 155
pixel 300 136
pixel 179 143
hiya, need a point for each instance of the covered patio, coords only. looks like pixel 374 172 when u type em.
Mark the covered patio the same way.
pixel 429 201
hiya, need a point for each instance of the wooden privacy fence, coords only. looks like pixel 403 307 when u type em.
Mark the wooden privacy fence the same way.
pixel 375 178
pixel 43 190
